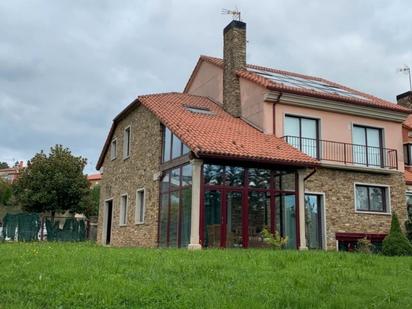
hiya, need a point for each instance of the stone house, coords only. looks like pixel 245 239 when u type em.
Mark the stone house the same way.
pixel 245 148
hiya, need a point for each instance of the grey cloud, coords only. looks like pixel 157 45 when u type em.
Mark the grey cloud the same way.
pixel 68 67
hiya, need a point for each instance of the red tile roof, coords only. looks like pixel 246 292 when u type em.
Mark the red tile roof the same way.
pixel 217 135
pixel 408 122
pixel 356 97
pixel 94 177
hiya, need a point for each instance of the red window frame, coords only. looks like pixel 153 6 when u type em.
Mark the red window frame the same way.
pixel 169 192
pixel 245 189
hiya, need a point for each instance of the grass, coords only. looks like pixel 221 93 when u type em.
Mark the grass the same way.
pixel 56 275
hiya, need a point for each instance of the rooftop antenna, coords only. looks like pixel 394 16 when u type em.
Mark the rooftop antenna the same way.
pixel 407 70
pixel 235 13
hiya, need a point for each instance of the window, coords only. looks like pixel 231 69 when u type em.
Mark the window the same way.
pixel 198 110
pixel 176 147
pixel 126 143
pixel 176 207
pixel 407 154
pixel 302 133
pixel 172 146
pixel 140 206
pixel 409 203
pixel 113 149
pixel 371 198
pixel 367 146
pixel 123 209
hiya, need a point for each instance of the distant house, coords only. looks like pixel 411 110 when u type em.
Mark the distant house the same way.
pixel 246 147
pixel 405 99
pixel 94 179
pixel 11 174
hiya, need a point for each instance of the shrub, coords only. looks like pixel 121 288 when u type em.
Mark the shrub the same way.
pixel 408 224
pixel 274 240
pixel 364 245
pixel 396 242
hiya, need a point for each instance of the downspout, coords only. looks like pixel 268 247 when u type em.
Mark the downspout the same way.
pixel 309 175
pixel 274 113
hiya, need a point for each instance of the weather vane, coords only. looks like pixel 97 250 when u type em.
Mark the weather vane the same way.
pixel 407 70
pixel 235 13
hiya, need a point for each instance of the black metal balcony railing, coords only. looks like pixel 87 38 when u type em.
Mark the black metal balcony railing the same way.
pixel 346 153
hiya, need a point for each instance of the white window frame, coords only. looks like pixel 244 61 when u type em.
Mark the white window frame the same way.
pixel 324 244
pixel 129 144
pixel 113 154
pixel 123 210
pixel 388 199
pixel 139 220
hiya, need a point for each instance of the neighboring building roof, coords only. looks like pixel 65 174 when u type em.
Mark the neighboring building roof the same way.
pixel 212 132
pixel 279 80
pixel 408 122
pixel 94 177
pixel 408 176
pixel 10 174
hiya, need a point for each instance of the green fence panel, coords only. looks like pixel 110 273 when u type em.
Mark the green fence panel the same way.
pixel 28 225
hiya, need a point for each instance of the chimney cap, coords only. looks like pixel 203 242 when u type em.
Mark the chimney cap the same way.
pixel 404 95
pixel 235 24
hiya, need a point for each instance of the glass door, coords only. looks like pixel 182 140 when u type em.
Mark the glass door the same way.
pixel 223 219
pixel 234 220
pixel 367 148
pixel 302 133
pixel 259 217
pixel 285 205
pixel 213 218
pixel 313 221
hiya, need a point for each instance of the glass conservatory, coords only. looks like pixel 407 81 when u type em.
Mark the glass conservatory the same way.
pixel 237 203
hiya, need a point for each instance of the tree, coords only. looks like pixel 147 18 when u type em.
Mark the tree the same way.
pixel 396 243
pixel 3 165
pixel 5 193
pixel 90 203
pixel 52 183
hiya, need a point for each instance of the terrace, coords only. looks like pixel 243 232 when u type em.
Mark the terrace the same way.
pixel 345 153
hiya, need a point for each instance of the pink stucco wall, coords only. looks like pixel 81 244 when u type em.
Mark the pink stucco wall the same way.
pixel 251 98
pixel 208 82
pixel 338 127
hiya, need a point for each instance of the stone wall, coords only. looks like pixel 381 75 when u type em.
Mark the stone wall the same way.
pixel 125 176
pixel 234 58
pixel 338 187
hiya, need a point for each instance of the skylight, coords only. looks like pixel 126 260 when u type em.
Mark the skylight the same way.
pixel 199 110
pixel 304 83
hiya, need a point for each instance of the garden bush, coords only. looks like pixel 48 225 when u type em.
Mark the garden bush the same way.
pixel 364 245
pixel 396 242
pixel 274 240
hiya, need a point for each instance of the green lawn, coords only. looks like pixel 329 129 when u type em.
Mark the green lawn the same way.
pixel 52 275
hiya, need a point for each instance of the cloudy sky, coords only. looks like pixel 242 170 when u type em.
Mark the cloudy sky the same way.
pixel 68 67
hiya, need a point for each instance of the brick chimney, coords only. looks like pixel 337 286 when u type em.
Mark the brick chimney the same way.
pixel 405 99
pixel 234 58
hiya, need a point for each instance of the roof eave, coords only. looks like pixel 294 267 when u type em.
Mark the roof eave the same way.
pixel 116 120
pixel 208 155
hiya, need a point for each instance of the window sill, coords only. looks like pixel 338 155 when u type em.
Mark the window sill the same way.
pixel 125 158
pixel 139 223
pixel 112 159
pixel 122 225
pixel 373 213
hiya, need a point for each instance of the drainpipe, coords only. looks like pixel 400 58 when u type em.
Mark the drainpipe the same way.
pixel 277 100
pixel 310 175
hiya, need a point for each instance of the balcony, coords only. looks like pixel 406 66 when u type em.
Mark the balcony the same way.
pixel 348 154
